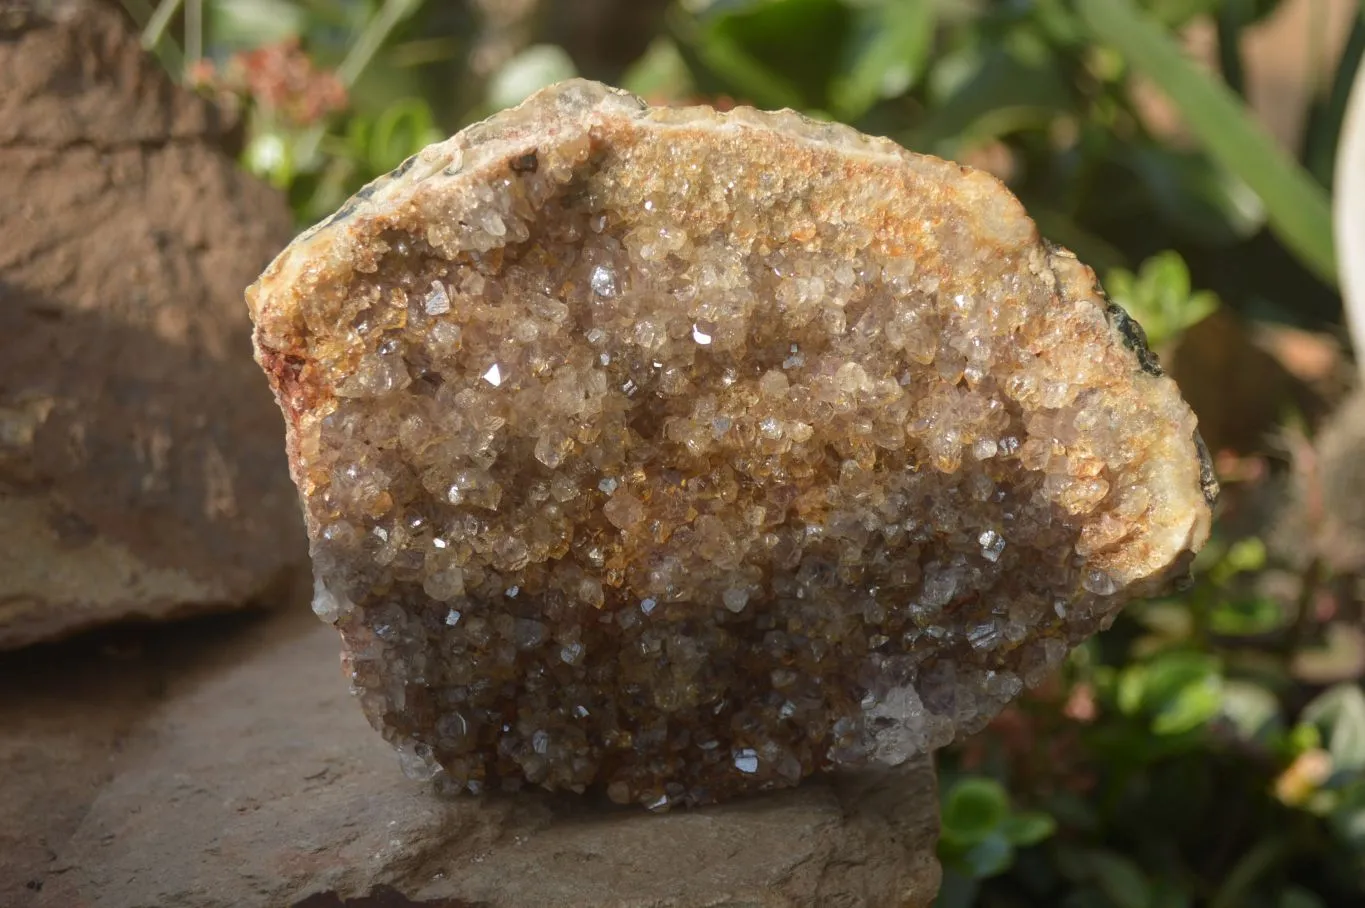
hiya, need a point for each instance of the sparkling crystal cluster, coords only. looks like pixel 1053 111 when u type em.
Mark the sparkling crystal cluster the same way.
pixel 676 454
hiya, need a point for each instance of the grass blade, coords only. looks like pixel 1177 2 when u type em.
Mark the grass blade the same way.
pixel 1297 208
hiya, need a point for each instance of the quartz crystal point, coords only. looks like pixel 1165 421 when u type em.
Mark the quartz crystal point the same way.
pixel 679 454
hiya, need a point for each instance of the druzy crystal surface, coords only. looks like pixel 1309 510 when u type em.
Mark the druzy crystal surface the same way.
pixel 678 454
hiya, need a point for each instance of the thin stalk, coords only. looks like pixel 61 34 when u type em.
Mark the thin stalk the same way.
pixel 376 31
pixel 362 52
pixel 140 10
pixel 156 26
pixel 166 51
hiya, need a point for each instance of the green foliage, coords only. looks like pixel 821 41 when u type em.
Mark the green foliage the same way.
pixel 1338 715
pixel 1297 207
pixel 981 831
pixel 1160 298
pixel 1199 776
pixel 1175 692
pixel 1206 752
pixel 887 52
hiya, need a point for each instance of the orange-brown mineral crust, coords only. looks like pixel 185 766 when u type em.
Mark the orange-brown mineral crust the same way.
pixel 681 454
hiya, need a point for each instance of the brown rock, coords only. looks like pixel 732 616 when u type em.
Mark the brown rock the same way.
pixel 219 764
pixel 681 454
pixel 140 474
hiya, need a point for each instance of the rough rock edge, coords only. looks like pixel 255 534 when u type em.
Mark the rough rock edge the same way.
pixel 482 150
pixel 113 99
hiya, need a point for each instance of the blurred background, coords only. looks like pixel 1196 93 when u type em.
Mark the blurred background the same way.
pixel 1207 751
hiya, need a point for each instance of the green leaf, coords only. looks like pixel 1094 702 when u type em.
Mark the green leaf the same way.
pixel 529 71
pixel 771 54
pixel 1339 714
pixel 885 57
pixel 1247 554
pixel 1193 706
pixel 721 57
pixel 1246 616
pixel 1028 828
pixel 989 857
pixel 1159 297
pixel 1179 691
pixel 1304 737
pixel 1297 208
pixel 1131 689
pixel 983 93
pixel 1205 202
pixel 1183 691
pixel 974 808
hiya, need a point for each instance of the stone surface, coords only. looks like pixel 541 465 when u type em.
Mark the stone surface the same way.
pixel 680 454
pixel 220 763
pixel 140 471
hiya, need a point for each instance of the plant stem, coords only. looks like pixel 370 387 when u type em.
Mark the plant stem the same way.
pixel 165 50
pixel 156 26
pixel 371 39
pixel 362 52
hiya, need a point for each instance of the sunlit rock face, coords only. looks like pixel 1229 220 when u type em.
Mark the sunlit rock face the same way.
pixel 679 454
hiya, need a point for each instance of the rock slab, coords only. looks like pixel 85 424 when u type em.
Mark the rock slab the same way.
pixel 221 763
pixel 141 472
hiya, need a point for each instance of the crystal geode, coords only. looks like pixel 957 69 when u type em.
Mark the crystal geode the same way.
pixel 681 454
